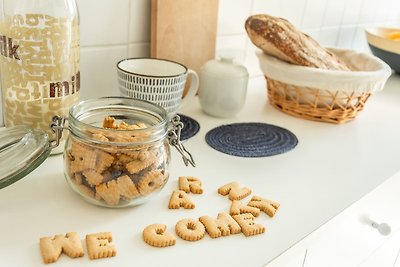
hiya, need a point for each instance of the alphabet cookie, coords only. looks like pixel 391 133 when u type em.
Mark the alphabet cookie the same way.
pixel 99 245
pixel 238 207
pixel 268 206
pixel 234 191
pixel 190 184
pixel 180 199
pixel 52 247
pixel 155 235
pixel 222 226
pixel 190 230
pixel 247 224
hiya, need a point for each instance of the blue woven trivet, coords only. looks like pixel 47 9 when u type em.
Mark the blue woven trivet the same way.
pixel 251 139
pixel 190 127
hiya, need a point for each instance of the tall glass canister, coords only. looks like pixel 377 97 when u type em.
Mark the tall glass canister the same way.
pixel 39 61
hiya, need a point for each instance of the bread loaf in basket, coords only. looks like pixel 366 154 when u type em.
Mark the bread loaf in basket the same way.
pixel 309 81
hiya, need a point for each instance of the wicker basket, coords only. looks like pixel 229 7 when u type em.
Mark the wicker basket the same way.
pixel 324 95
pixel 314 104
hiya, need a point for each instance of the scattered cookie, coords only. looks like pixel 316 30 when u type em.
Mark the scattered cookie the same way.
pixel 222 226
pixel 104 160
pixel 99 245
pixel 190 230
pixel 190 184
pixel 268 206
pixel 87 191
pixel 113 190
pixel 52 247
pixel 138 165
pixel 247 224
pixel 151 181
pixel 155 235
pixel 238 207
pixel 180 199
pixel 82 158
pixel 234 190
pixel 109 123
pixel 100 137
pixel 93 177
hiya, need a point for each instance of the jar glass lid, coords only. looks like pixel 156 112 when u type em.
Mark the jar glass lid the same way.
pixel 22 150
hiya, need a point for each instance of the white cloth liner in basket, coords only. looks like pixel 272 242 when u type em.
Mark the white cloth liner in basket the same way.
pixel 369 72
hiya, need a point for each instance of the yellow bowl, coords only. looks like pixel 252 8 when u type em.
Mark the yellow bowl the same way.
pixel 385 44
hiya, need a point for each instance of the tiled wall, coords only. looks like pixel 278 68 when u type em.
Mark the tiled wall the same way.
pixel 115 29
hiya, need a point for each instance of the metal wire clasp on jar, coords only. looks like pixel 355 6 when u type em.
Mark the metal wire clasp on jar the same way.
pixel 118 151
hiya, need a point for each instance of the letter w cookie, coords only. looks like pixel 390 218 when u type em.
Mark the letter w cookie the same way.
pixel 52 247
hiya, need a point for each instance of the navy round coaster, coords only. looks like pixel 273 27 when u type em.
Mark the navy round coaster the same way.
pixel 190 127
pixel 251 139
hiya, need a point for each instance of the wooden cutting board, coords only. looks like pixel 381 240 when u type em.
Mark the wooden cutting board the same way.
pixel 184 31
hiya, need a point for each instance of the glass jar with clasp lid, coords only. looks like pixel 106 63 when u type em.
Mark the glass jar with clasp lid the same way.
pixel 117 153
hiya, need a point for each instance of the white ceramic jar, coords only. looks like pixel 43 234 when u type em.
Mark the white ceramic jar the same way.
pixel 223 87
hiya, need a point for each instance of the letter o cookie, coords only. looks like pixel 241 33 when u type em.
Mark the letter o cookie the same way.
pixel 190 230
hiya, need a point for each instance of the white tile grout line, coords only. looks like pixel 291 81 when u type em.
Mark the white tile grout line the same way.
pixel 302 15
pixel 358 23
pixel 128 28
pixel 340 26
pixel 246 43
pixel 324 16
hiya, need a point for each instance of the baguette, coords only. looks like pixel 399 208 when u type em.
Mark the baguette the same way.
pixel 279 38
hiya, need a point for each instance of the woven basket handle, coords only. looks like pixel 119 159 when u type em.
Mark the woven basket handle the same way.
pixel 191 92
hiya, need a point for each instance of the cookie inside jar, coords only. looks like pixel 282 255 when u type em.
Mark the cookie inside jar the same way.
pixel 117 161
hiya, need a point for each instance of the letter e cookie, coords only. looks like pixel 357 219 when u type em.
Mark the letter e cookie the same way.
pixel 98 245
pixel 249 227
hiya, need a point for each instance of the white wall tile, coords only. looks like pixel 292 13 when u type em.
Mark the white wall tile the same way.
pixel 346 37
pixel 360 41
pixel 232 16
pixel 382 10
pixel 393 24
pixel 293 11
pixel 234 45
pixel 140 21
pixel 351 12
pixel 314 13
pixel 271 7
pixel 139 50
pixel 251 62
pixel 328 36
pixel 103 22
pixel 393 11
pixel 334 13
pixel 368 11
pixel 98 70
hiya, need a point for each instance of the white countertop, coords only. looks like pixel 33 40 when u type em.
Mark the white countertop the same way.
pixel 332 167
